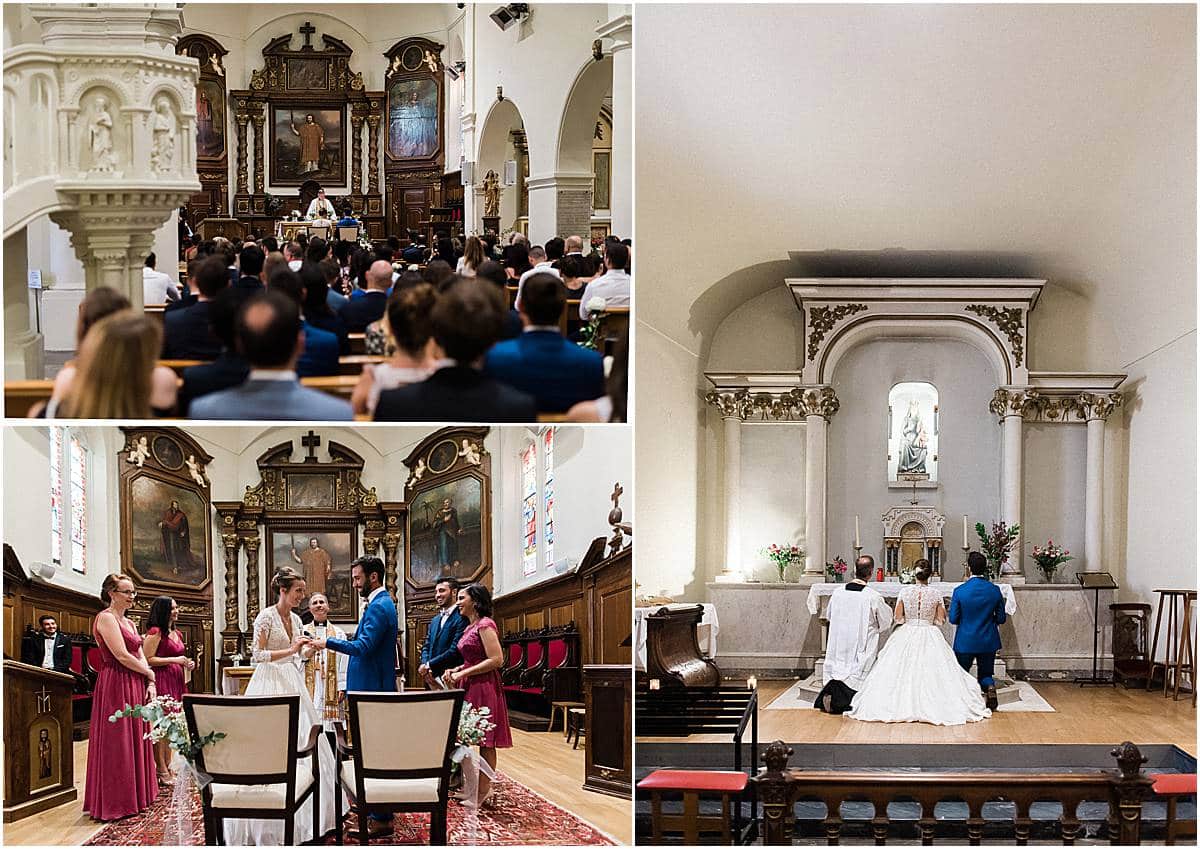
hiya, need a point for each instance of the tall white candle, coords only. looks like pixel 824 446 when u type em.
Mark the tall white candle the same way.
pixel 857 542
pixel 965 545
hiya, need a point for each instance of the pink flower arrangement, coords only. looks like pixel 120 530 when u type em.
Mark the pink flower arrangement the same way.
pixel 1050 557
pixel 783 555
pixel 837 568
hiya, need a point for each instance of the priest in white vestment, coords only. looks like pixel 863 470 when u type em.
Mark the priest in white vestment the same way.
pixel 325 670
pixel 320 208
pixel 857 616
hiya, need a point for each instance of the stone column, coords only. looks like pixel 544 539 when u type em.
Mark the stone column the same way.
pixel 818 406
pixel 373 153
pixel 1095 409
pixel 356 125
pixel 733 407
pixel 1011 405
pixel 620 30
pixel 24 357
pixel 242 119
pixel 259 120
pixel 560 203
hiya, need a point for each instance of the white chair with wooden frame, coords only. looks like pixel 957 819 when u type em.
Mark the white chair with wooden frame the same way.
pixel 399 757
pixel 255 768
pixel 347 233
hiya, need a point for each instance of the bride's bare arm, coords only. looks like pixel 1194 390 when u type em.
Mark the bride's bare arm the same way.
pixel 899 617
pixel 939 616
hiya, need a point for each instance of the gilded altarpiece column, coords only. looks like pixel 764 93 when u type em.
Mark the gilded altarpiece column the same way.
pixel 260 121
pixel 373 153
pixel 356 126
pixel 231 633
pixel 242 119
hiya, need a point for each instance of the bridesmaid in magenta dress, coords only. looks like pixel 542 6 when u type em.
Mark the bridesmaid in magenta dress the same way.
pixel 164 649
pixel 479 674
pixel 120 765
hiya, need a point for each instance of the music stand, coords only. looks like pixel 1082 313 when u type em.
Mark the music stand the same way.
pixel 1096 581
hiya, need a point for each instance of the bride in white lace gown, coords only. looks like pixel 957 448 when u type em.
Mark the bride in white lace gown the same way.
pixel 278 671
pixel 916 677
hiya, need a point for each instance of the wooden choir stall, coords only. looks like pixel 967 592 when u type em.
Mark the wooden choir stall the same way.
pixel 39 760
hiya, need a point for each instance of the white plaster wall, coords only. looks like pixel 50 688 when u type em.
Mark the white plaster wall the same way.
pixel 1158 504
pixel 771 495
pixel 1055 475
pixel 587 462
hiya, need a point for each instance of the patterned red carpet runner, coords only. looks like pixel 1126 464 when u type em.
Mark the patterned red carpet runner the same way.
pixel 518 816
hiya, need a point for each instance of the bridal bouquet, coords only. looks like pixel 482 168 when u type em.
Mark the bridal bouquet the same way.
pixel 165 717
pixel 474 724
pixel 997 545
pixel 783 556
pixel 1048 559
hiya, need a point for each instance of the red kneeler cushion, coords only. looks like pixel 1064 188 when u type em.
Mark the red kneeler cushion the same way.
pixel 1174 784
pixel 702 781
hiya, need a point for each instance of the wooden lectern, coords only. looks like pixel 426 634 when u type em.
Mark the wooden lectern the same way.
pixel 230 228
pixel 39 760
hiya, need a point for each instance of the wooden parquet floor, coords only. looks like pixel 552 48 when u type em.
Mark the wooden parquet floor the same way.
pixel 542 762
pixel 1095 715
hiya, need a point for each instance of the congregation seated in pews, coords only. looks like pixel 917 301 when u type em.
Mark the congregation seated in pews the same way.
pixel 521 335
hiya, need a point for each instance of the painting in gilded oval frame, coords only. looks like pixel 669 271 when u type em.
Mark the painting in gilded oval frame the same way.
pixel 413 112
pixel 168 534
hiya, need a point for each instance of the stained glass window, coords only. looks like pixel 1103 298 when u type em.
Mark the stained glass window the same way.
pixel 548 493
pixel 529 506
pixel 57 513
pixel 79 463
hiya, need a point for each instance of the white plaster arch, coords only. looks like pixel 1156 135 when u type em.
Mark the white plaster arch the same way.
pixel 579 115
pixel 494 145
pixel 866 328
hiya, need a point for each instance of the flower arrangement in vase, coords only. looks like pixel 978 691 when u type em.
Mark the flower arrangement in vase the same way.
pixel 836 569
pixel 1049 558
pixel 997 545
pixel 783 556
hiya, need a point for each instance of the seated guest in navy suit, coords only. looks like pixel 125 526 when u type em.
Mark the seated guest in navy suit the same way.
pixel 440 651
pixel 316 305
pixel 227 370
pixel 540 361
pixel 271 338
pixel 187 332
pixel 466 322
pixel 320 357
pixel 371 305
pixel 251 261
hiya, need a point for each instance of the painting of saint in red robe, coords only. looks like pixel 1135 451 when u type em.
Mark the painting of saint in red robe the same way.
pixel 176 540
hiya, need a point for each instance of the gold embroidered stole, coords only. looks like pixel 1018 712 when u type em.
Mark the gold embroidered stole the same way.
pixel 326 662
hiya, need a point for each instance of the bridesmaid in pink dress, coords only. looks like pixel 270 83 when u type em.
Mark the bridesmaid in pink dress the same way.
pixel 479 674
pixel 164 649
pixel 120 765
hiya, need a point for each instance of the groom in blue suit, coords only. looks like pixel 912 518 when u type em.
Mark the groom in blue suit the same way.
pixel 977 608
pixel 440 651
pixel 372 652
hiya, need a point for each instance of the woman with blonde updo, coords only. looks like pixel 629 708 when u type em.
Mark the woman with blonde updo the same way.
pixel 120 763
pixel 278 672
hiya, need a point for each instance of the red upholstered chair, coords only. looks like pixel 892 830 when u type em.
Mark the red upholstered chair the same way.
pixel 95 659
pixel 562 680
pixel 535 665
pixel 511 676
pixel 691 784
pixel 1172 787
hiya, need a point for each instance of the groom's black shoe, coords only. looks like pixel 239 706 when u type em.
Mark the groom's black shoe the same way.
pixel 989 696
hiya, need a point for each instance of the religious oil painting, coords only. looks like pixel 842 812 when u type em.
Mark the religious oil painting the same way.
pixel 912 433
pixel 413 119
pixel 311 492
pixel 447 534
pixel 167 534
pixel 306 144
pixel 323 558
pixel 210 119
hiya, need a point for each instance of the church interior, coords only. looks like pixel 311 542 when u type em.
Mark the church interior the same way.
pixel 207 516
pixel 402 129
pixel 956 287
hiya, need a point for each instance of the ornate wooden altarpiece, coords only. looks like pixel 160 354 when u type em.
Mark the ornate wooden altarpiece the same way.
pixel 212 126
pixel 165 549
pixel 304 497
pixel 414 171
pixel 310 79
pixel 449 463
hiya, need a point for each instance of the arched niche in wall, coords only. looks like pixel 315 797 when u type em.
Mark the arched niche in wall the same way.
pixel 212 124
pixel 414 138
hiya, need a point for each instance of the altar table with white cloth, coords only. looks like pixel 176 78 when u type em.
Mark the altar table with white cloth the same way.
pixel 891 589
pixel 706 631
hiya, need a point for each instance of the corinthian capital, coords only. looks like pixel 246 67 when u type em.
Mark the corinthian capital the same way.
pixel 818 401
pixel 732 404
pixel 1098 406
pixel 1025 403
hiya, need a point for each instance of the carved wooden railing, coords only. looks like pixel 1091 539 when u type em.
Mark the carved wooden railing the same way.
pixel 780 788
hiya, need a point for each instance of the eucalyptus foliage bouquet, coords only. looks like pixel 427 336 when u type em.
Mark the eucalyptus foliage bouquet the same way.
pixel 474 724
pixel 165 717
pixel 1049 558
pixel 997 545
pixel 589 334
pixel 783 556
